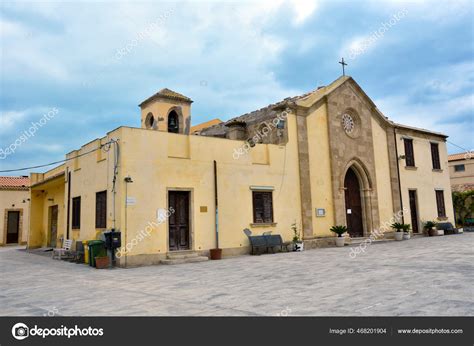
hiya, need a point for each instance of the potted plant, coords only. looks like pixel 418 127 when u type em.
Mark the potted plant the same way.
pixel 430 227
pixel 339 230
pixel 297 242
pixel 406 231
pixel 398 227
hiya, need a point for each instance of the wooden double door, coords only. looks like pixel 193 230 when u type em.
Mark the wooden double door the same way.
pixel 353 200
pixel 178 222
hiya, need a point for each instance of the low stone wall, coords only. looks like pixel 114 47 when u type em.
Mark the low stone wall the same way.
pixel 316 243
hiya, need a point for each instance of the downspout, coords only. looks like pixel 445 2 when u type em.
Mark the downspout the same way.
pixel 398 174
pixel 216 203
pixel 68 202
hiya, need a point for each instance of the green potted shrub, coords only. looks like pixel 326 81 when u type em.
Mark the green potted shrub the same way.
pixel 430 228
pixel 339 230
pixel 398 227
pixel 406 231
pixel 297 242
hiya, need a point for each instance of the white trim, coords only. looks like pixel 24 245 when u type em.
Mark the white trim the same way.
pixel 261 188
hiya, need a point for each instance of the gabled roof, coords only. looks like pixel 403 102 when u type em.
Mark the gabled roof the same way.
pixel 306 100
pixel 167 94
pixel 14 183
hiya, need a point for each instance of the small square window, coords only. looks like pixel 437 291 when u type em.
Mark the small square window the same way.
pixel 459 168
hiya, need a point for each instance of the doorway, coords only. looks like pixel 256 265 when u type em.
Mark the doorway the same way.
pixel 353 201
pixel 179 220
pixel 13 227
pixel 413 210
pixel 53 225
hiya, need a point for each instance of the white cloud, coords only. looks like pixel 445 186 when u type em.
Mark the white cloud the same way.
pixel 303 9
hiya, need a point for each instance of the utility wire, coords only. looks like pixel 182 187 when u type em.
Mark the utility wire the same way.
pixel 56 162
pixel 457 146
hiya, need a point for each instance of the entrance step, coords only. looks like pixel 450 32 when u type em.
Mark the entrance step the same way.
pixel 360 240
pixel 180 257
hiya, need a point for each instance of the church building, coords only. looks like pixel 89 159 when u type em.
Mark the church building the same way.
pixel 328 157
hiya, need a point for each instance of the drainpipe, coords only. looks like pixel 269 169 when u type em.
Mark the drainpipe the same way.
pixel 68 202
pixel 398 174
pixel 216 203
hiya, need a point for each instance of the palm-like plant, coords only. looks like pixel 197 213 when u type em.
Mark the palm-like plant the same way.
pixel 429 225
pixel 339 230
pixel 397 226
pixel 406 227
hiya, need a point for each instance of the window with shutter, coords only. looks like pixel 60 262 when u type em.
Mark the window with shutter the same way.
pixel 440 203
pixel 76 212
pixel 101 209
pixel 435 156
pixel 262 207
pixel 409 154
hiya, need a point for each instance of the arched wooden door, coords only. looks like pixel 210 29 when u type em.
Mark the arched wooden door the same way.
pixel 353 204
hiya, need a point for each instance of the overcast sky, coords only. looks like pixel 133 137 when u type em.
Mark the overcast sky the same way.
pixel 95 62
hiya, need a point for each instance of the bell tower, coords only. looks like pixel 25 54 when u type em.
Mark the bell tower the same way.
pixel 166 111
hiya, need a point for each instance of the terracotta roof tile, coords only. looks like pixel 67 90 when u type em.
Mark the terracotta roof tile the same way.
pixel 460 156
pixel 168 94
pixel 14 183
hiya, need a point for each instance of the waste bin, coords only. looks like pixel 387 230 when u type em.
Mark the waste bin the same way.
pixel 86 251
pixel 96 249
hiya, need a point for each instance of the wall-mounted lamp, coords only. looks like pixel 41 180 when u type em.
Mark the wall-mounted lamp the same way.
pixel 128 179
pixel 401 157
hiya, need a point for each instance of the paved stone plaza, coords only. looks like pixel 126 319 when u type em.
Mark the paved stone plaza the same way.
pixel 419 277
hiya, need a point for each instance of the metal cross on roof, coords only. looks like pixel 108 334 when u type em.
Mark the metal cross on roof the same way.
pixel 343 63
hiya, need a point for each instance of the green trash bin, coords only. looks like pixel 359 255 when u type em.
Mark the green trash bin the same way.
pixel 96 249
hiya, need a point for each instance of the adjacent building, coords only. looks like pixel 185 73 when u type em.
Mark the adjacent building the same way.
pixel 328 157
pixel 15 209
pixel 461 171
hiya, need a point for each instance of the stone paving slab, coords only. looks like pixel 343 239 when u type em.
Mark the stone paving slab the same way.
pixel 431 276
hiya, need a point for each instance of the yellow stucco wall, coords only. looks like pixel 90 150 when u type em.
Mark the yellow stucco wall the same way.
pixel 14 200
pixel 462 177
pixel 320 171
pixel 424 179
pixel 91 174
pixel 42 198
pixel 384 190
pixel 147 159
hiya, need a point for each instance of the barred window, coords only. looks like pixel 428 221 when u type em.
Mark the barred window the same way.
pixel 262 207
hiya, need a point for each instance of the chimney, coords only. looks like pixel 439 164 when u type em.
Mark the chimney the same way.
pixel 237 130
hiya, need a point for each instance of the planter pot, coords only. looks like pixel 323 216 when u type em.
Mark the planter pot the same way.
pixel 433 232
pixel 215 254
pixel 440 232
pixel 406 235
pixel 298 246
pixel 102 262
pixel 460 230
pixel 340 241
pixel 398 235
